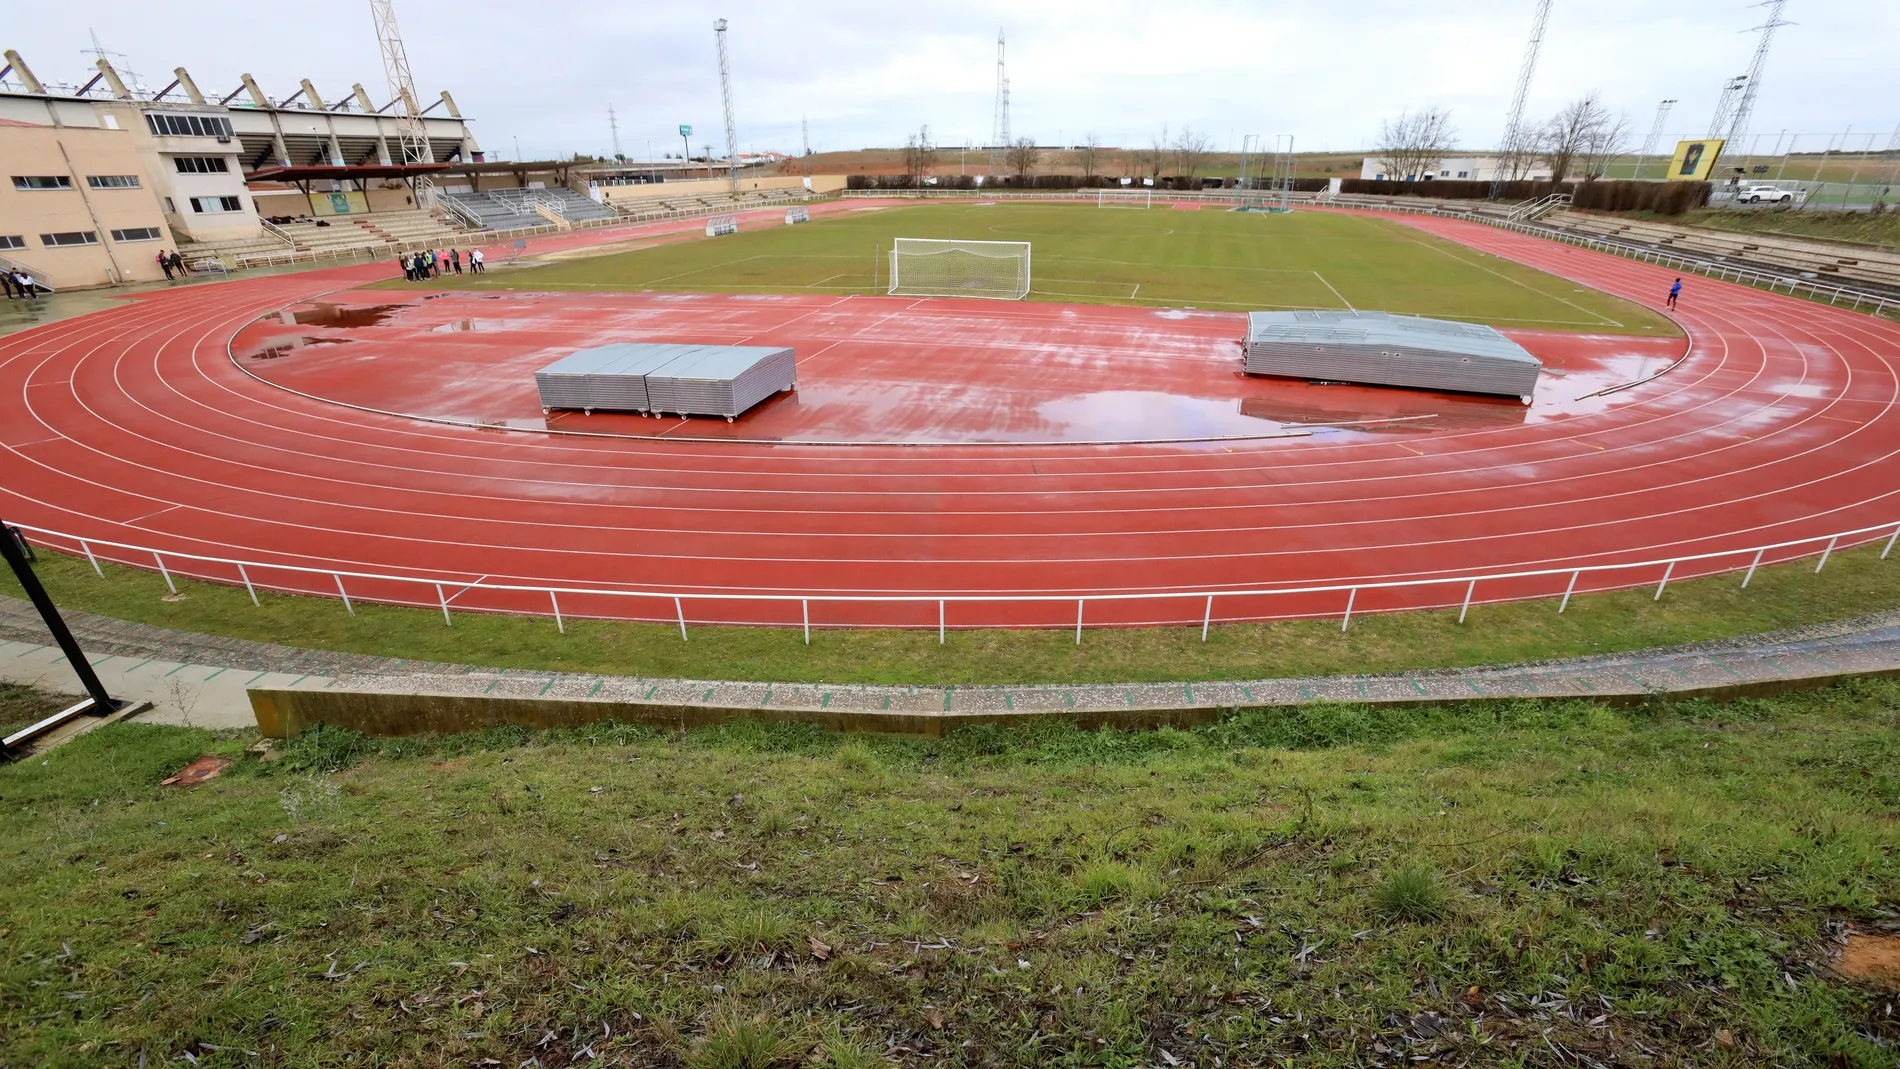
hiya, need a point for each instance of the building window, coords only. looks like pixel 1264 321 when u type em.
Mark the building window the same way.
pixel 137 233
pixel 200 164
pixel 42 181
pixel 69 237
pixel 1444 174
pixel 12 241
pixel 1378 178
pixel 170 207
pixel 113 181
pixel 213 205
pixel 188 125
pixel 1464 174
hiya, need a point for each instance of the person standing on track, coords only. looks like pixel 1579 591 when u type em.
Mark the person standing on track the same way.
pixel 165 264
pixel 1675 291
pixel 455 260
pixel 478 261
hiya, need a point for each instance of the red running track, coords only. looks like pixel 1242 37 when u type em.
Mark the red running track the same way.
pixel 134 425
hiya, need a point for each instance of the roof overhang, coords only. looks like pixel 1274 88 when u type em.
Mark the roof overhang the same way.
pixel 369 170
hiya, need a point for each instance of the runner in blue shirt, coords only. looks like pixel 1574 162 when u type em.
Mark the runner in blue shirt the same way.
pixel 1674 292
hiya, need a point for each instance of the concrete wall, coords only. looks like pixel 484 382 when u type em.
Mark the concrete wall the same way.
pixel 78 152
pixel 633 194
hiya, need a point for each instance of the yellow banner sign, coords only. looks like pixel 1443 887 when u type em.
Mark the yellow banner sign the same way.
pixel 1695 160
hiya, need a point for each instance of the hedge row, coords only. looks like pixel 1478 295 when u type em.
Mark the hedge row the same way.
pixel 1663 198
pixel 1054 181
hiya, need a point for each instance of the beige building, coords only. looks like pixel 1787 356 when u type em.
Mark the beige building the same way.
pixel 75 206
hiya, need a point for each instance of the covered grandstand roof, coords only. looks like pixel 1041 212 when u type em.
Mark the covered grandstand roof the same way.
pixel 318 171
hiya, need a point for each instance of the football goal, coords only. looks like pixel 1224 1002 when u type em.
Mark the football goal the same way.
pixel 941 267
pixel 1119 198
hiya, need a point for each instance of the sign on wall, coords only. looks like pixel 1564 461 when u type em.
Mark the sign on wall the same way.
pixel 685 130
pixel 1694 161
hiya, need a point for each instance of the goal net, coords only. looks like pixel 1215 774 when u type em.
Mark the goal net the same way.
pixel 1141 198
pixel 940 267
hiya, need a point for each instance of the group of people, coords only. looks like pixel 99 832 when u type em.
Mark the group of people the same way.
pixel 20 282
pixel 172 264
pixel 430 263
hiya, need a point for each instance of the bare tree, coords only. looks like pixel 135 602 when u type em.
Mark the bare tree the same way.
pixel 1090 155
pixel 919 154
pixel 1156 155
pixel 1024 155
pixel 1582 136
pixel 1190 151
pixel 1410 146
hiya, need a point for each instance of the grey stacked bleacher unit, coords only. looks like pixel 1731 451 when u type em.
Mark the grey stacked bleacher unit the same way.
pixel 1389 350
pixel 657 377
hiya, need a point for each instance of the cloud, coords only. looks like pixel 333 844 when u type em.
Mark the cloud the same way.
pixel 866 73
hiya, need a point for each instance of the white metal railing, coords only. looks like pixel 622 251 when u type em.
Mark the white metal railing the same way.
pixel 247 573
pixel 1873 303
pixel 1527 212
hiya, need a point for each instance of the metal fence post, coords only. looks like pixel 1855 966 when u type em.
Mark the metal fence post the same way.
pixel 1351 596
pixel 680 611
pixel 1825 553
pixel 169 585
pixel 555 600
pixel 939 621
pixel 338 576
pixel 443 600
pixel 1565 603
pixel 1466 607
pixel 1207 617
pixel 94 561
pixel 1889 549
pixel 804 607
pixel 248 588
pixel 1752 565
pixel 1078 621
pixel 1667 572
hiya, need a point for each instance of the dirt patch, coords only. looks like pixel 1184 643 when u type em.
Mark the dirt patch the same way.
pixel 200 770
pixel 1872 959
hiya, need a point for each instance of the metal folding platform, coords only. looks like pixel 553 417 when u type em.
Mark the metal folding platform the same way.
pixel 688 379
pixel 1389 350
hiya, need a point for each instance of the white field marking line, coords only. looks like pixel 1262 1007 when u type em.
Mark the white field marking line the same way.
pixel 827 278
pixel 1172 267
pixel 802 315
pixel 450 600
pixel 156 512
pixel 1515 282
pixel 1336 293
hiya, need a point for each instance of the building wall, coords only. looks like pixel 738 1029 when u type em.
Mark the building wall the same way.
pixel 1454 168
pixel 78 152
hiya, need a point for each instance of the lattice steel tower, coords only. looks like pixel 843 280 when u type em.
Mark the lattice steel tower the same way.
pixel 999 130
pixel 725 98
pixel 413 138
pixel 1751 82
pixel 1655 134
pixel 1512 163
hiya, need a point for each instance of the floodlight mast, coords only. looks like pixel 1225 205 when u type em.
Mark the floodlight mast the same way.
pixel 725 97
pixel 999 131
pixel 413 139
pixel 1744 110
pixel 1511 166
pixel 1655 134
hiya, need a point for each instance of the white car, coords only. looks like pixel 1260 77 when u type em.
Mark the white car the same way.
pixel 1764 195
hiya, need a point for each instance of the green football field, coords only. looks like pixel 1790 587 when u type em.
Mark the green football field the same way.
pixel 1203 259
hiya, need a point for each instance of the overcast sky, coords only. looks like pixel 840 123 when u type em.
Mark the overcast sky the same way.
pixel 865 73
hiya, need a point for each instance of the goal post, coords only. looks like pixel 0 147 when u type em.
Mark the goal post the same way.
pixel 1123 198
pixel 943 267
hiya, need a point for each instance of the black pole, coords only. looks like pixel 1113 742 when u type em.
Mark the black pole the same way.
pixel 11 545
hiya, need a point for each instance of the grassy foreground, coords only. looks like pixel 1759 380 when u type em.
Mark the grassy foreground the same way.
pixel 1080 253
pixel 1854 582
pixel 1527 884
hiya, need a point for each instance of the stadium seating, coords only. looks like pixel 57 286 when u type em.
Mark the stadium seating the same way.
pixel 506 209
pixel 1823 259
pixel 373 235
